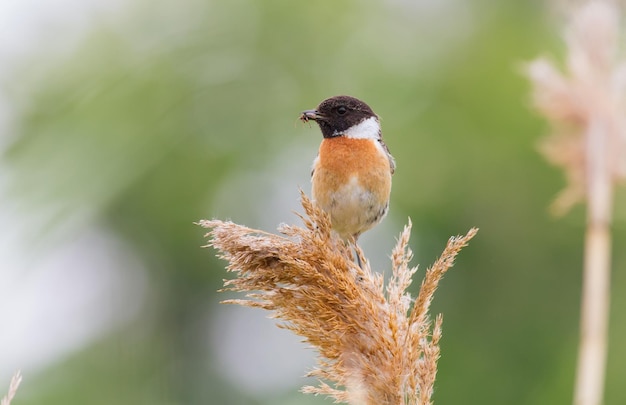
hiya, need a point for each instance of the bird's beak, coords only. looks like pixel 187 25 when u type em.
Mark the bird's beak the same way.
pixel 310 115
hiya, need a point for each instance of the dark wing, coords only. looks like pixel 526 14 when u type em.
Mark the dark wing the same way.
pixel 392 161
pixel 314 164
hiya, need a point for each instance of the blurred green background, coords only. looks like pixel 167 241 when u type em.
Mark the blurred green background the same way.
pixel 119 133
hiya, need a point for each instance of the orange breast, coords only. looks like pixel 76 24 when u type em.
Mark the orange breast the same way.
pixel 352 182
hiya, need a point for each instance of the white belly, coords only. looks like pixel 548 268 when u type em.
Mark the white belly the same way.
pixel 353 209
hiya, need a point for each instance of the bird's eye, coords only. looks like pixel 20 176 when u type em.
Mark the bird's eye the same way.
pixel 341 110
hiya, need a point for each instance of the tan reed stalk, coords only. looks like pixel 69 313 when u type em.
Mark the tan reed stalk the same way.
pixel 373 348
pixel 586 107
pixel 13 386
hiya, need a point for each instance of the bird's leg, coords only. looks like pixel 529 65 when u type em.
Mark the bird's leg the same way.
pixel 356 253
pixel 358 260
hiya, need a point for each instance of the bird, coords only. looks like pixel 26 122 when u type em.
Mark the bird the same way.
pixel 351 175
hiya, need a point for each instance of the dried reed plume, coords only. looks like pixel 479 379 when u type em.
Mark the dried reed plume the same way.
pixel 373 348
pixel 15 383
pixel 586 106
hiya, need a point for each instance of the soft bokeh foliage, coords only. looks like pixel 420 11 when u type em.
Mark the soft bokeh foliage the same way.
pixel 172 111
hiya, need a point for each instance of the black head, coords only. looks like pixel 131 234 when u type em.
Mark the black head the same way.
pixel 337 114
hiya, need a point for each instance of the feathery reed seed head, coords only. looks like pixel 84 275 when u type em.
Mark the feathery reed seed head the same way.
pixel 373 348
pixel 13 386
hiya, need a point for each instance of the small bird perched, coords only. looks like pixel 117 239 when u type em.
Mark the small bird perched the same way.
pixel 351 177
